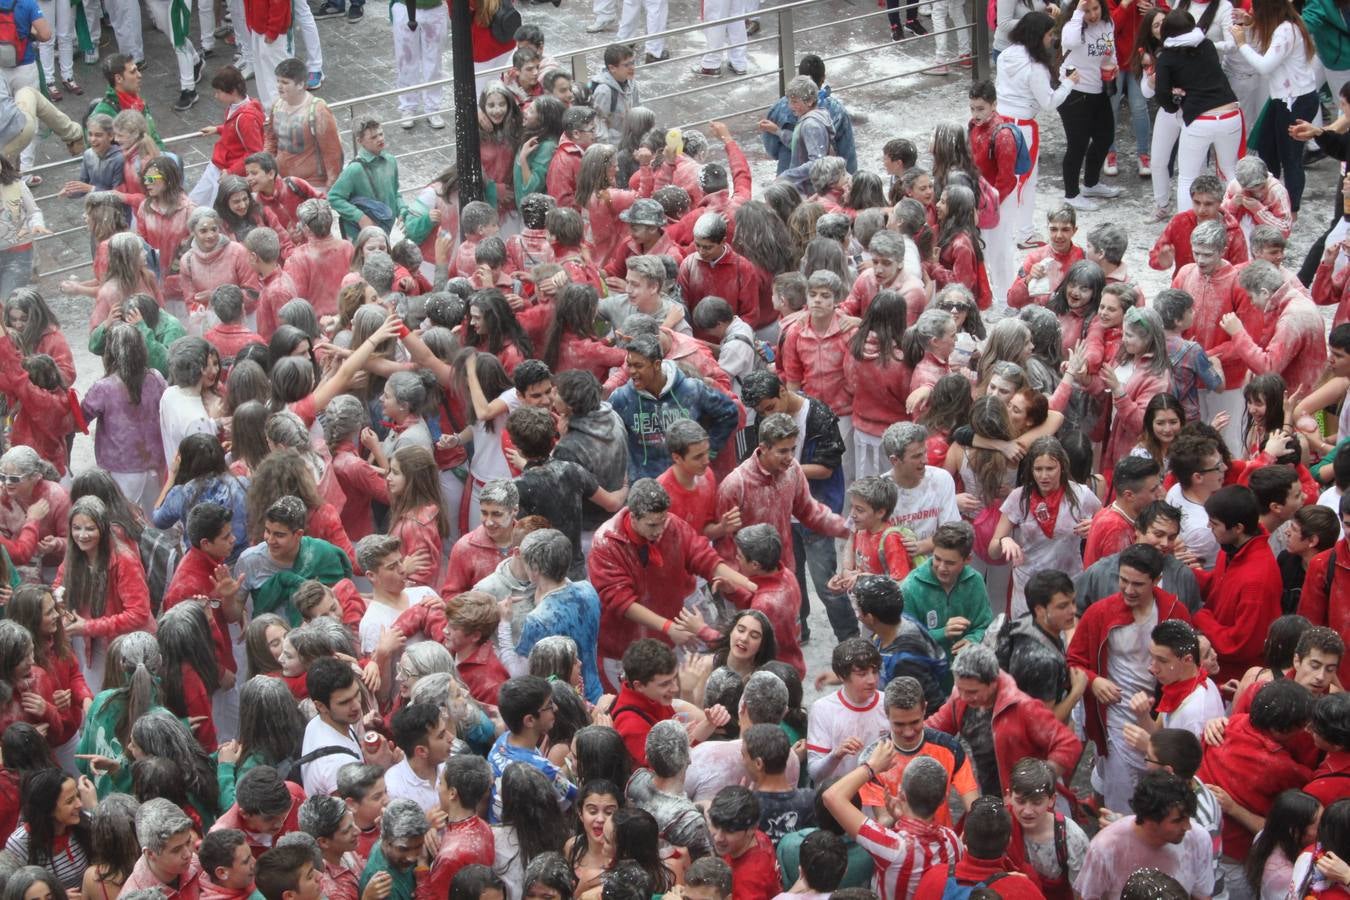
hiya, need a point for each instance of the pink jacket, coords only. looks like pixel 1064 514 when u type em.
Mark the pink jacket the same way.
pixel 1019 296
pixel 1128 421
pixel 1215 295
pixel 1297 348
pixel 201 273
pixel 816 361
pixel 472 558
pixel 602 210
pixel 418 531
pixel 886 387
pixel 774 499
pixel 164 232
pixel 865 290
pixel 316 267
pixel 529 248
pixel 127 607
pixel 683 173
pixel 1274 211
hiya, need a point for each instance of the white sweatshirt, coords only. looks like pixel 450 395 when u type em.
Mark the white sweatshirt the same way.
pixel 1288 70
pixel 1023 85
pixel 1087 48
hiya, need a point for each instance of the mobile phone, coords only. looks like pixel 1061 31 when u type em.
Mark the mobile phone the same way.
pixel 1069 70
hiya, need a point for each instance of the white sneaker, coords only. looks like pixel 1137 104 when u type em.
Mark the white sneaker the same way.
pixel 408 124
pixel 599 25
pixel 1109 167
pixel 435 121
pixel 1083 203
pixel 1102 190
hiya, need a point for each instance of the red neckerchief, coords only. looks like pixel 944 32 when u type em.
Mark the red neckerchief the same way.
pixel 131 101
pixel 653 554
pixel 1045 510
pixel 1174 694
pixel 397 428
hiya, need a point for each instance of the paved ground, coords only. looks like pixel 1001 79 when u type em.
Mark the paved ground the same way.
pixel 359 62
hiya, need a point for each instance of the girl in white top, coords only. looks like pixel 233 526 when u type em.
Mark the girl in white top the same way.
pixel 1044 519
pixel 1089 45
pixel 1025 87
pixel 1277 45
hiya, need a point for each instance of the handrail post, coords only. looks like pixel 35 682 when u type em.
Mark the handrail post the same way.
pixel 580 74
pixel 980 46
pixel 787 51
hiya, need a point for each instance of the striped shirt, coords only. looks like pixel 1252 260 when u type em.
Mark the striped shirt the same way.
pixel 904 853
pixel 67 861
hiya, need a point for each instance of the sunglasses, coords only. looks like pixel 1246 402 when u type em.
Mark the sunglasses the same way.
pixel 13 479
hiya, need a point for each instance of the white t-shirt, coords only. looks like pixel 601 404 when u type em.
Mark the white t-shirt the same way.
pixel 1116 852
pixel 1195 531
pixel 320 776
pixel 1197 709
pixel 379 616
pixel 403 783
pixel 929 504
pixel 833 720
pixel 181 414
pixel 715 764
pixel 1331 499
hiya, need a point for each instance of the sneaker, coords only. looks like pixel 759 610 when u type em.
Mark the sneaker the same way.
pixel 650 58
pixel 1161 214
pixel 54 93
pixel 328 9
pixel 436 122
pixel 246 71
pixel 186 100
pixel 711 73
pixel 91 58
pixel 198 67
pixel 599 25
pixel 917 27
pixel 1145 169
pixel 73 87
pixel 966 62
pixel 896 33
pixel 940 70
pixel 736 71
pixel 1101 190
pixel 408 124
pixel 314 81
pixel 1031 243
pixel 1086 204
pixel 1110 168
pixel 355 14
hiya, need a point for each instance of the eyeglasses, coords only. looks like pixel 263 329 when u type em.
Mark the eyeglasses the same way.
pixel 1218 468
pixel 13 479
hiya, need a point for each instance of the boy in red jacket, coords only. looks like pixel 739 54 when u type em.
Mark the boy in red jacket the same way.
pixel 241 134
pixel 734 820
pixel 650 685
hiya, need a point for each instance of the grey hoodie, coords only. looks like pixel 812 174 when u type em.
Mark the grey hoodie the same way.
pixel 611 103
pixel 598 443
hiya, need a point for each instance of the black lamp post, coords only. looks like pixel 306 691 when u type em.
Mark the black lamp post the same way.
pixel 467 155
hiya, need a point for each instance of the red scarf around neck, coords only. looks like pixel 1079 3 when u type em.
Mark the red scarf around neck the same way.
pixel 1174 694
pixel 131 101
pixel 653 554
pixel 1045 509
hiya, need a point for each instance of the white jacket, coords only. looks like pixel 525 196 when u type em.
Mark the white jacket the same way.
pixel 1023 85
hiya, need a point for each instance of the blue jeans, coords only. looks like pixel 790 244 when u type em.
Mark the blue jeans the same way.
pixel 16 270
pixel 1143 126
pixel 815 552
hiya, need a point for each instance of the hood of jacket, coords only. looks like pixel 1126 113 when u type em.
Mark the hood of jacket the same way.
pixel 603 424
pixel 674 375
pixel 607 79
pixel 1014 62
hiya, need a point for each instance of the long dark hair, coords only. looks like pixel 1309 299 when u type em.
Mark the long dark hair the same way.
pixel 763 238
pixel 161 734
pixel 492 378
pixel 795 717
pixel 40 792
pixel 573 313
pixel 184 636
pixel 1029 33
pixel 885 319
pixel 1084 273
pixel 25 749
pixel 593 787
pixel 548 116
pixel 25 607
pixel 637 837
pixel 1333 835
pixel 1290 816
pixel 1268 15
pixel 768 644
pixel 601 753
pixel 1045 446
pixel 499 324
pixel 530 805
pixel 1146 44
pixel 948 405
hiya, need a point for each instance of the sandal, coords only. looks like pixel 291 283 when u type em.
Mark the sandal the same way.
pixel 54 94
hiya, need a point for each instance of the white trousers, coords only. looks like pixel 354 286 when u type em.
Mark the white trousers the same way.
pixel 266 58
pixel 949 14
pixel 850 460
pixel 1000 246
pixel 1231 402
pixel 93 17
pixel 1166 133
pixel 62 43
pixel 140 488
pixel 605 10
pixel 870 458
pixel 125 16
pixel 242 44
pixel 656 11
pixel 480 79
pixel 302 22
pixel 725 40
pixel 417 56
pixel 1224 135
pixel 186 55
pixel 1023 209
pixel 15 78
pixel 452 491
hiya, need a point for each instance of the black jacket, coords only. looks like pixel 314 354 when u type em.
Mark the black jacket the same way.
pixel 1197 71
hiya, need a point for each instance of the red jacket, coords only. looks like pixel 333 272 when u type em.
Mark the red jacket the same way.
pixel 733 278
pixel 242 132
pixel 284 201
pixel 10 799
pixel 1252 767
pixel 485 46
pixel 780 599
pixel 419 531
pixel 561 180
pixel 44 417
pixel 466 842
pixel 362 483
pixel 230 339
pixel 1215 295
pixel 885 389
pixel 997 163
pixel 774 499
pixel 326 525
pixel 42 684
pixel 197 702
pixel 684 172
pixel 269 18
pixel 127 607
pixel 816 361
pixel 1022 727
pixel 193 578
pixel 1178 235
pixel 54 344
pixel 1111 532
pixel 1294 344
pixel 277 289
pixel 66 675
pixel 1242 597
pixel 1331 781
pixel 724 201
pixel 617 572
pixel 1018 294
pixel 636 715
pixel 958 263
pixel 232 818
pixel 472 558
pixel 754 874
pixel 316 269
pixel 1321 607
pixel 865 290
pixel 1089 651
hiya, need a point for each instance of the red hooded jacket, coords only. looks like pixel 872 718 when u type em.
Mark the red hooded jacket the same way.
pixel 1242 597
pixel 242 132
pixel 733 278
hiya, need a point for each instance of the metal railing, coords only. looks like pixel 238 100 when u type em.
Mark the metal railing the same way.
pixel 785 38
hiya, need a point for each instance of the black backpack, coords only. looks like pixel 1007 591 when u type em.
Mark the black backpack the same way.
pixel 289 769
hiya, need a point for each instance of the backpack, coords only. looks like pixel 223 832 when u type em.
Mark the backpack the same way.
pixel 881 546
pixel 591 88
pixel 987 213
pixel 916 654
pixel 1023 164
pixel 505 21
pixel 955 890
pixel 289 769
pixel 764 354
pixel 12 47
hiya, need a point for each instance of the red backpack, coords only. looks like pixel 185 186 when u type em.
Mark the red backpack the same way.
pixel 12 47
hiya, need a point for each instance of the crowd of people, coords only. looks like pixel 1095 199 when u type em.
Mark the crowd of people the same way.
pixel 466 549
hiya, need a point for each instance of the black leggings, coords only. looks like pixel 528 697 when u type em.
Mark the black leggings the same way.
pixel 1282 154
pixel 1089 130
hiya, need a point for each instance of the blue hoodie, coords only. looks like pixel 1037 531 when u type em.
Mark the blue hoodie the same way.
pixel 645 418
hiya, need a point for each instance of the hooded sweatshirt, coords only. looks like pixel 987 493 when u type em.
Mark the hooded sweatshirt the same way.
pixel 596 442
pixel 645 418
pixel 1024 87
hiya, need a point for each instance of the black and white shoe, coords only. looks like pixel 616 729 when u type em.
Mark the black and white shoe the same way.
pixel 186 100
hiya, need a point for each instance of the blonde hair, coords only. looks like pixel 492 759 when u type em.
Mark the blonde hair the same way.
pixel 475 612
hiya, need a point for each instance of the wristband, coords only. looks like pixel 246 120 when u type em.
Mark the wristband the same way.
pixel 404 331
pixel 870 771
pixel 665 628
